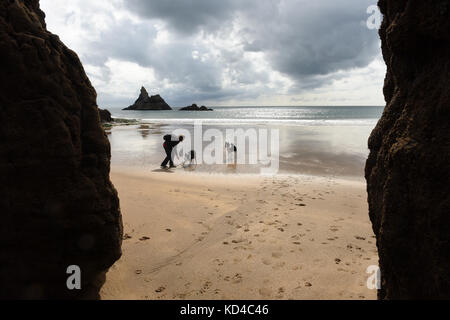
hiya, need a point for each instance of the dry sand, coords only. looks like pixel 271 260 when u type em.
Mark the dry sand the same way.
pixel 194 236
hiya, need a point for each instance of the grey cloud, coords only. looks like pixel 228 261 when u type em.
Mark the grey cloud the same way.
pixel 126 41
pixel 187 16
pixel 301 39
pixel 308 41
pixel 306 38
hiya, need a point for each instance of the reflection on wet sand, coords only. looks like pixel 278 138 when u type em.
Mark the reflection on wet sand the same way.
pixel 319 150
pixel 144 130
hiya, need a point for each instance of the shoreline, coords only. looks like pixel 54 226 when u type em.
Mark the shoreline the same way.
pixel 212 236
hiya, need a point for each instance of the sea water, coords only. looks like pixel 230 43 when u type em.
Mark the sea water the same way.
pixel 270 115
pixel 327 141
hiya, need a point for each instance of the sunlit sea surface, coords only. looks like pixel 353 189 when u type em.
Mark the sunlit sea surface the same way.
pixel 282 115
pixel 326 141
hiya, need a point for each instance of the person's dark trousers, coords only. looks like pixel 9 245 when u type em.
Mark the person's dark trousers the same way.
pixel 168 158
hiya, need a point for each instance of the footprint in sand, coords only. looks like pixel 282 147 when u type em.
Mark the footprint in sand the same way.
pixel 279 265
pixel 181 296
pixel 144 239
pixel 265 292
pixel 126 236
pixel 237 278
pixel 277 255
pixel 206 286
pixel 160 289
pixel 266 261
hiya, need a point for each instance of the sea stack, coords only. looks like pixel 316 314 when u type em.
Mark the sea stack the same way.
pixel 194 107
pixel 408 170
pixel 59 212
pixel 153 103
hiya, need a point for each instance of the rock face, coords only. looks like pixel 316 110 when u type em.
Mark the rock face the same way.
pixel 408 171
pixel 153 103
pixel 57 207
pixel 194 107
pixel 105 116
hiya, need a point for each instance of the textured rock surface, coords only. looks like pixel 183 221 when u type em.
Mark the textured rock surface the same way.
pixel 409 164
pixel 57 206
pixel 144 102
pixel 105 115
pixel 195 107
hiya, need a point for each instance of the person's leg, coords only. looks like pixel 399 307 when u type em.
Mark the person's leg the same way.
pixel 168 158
pixel 165 162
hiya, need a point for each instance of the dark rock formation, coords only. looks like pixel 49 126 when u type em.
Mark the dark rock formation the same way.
pixel 57 206
pixel 408 171
pixel 153 103
pixel 194 107
pixel 105 116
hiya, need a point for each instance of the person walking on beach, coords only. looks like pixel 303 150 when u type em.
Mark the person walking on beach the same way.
pixel 168 147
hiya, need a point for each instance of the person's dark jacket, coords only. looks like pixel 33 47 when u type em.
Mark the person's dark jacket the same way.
pixel 170 144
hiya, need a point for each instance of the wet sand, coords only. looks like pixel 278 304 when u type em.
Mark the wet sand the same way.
pixel 214 236
pixel 314 150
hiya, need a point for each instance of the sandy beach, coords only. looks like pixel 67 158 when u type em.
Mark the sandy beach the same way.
pixel 214 236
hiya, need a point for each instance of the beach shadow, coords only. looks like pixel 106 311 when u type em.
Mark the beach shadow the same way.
pixel 163 170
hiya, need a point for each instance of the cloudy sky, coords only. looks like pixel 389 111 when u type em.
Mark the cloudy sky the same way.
pixel 225 52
